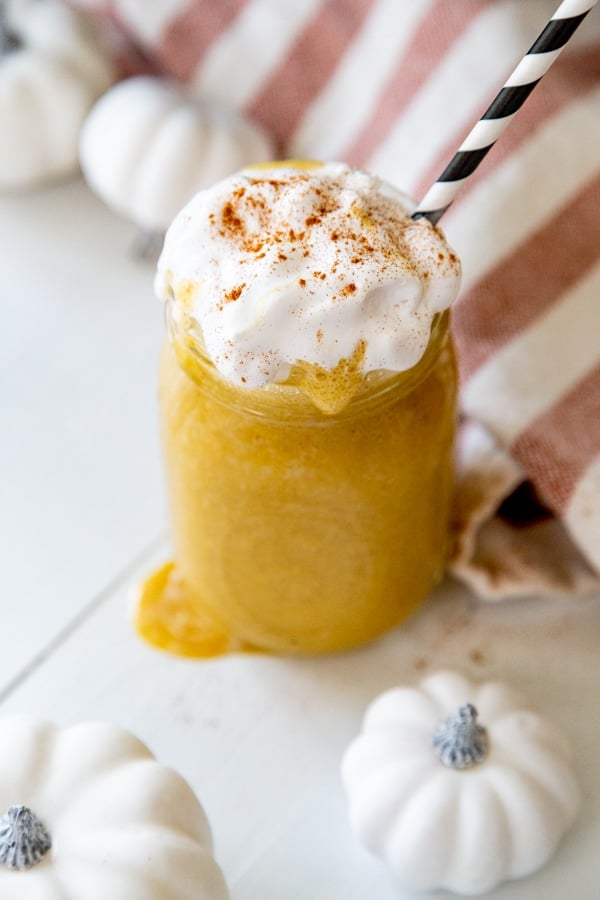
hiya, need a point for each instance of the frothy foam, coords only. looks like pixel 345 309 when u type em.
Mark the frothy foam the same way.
pixel 286 265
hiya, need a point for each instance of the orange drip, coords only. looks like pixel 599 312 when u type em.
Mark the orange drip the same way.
pixel 167 616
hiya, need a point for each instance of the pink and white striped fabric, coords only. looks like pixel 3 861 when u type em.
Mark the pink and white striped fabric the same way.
pixel 394 87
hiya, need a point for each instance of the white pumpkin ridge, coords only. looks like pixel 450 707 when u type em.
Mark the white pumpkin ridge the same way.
pixel 148 146
pixel 463 830
pixel 50 76
pixel 122 825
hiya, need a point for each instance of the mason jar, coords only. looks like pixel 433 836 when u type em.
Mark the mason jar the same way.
pixel 293 530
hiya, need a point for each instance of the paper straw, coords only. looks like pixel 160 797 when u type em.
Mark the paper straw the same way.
pixel 480 140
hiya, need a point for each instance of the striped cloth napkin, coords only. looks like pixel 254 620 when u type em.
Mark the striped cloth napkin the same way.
pixel 394 87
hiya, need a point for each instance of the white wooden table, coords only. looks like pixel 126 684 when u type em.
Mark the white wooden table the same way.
pixel 82 517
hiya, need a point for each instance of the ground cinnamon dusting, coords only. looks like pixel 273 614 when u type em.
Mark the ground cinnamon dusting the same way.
pixel 230 220
pixel 247 219
pixel 234 293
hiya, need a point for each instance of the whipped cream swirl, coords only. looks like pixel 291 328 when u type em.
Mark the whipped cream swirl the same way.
pixel 305 263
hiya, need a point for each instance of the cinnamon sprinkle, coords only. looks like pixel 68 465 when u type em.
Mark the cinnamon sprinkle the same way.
pixel 230 220
pixel 246 218
pixel 234 293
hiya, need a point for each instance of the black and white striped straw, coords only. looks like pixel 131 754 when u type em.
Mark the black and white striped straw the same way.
pixel 548 46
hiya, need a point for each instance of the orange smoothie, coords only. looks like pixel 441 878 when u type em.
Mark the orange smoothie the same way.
pixel 309 513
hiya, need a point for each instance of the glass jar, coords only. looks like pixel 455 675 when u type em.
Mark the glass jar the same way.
pixel 293 530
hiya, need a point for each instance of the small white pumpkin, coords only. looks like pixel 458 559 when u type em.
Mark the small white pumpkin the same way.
pixel 88 813
pixel 451 803
pixel 51 72
pixel 146 148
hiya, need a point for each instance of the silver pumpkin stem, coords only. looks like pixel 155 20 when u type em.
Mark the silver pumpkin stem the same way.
pixel 24 839
pixel 460 741
pixel 9 41
pixel 147 245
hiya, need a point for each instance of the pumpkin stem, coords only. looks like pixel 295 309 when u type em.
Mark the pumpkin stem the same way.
pixel 24 839
pixel 460 741
pixel 147 245
pixel 9 41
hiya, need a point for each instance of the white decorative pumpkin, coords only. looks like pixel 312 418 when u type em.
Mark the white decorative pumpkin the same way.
pixel 146 148
pixel 89 814
pixel 51 72
pixel 451 803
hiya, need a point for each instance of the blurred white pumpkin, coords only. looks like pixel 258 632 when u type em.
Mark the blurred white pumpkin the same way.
pixel 88 813
pixel 146 148
pixel 451 803
pixel 51 72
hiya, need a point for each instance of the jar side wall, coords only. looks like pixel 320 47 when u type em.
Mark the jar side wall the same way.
pixel 303 538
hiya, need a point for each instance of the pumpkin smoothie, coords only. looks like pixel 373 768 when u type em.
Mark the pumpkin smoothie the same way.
pixel 308 399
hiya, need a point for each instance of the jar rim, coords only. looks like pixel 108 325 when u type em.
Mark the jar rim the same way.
pixel 379 387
